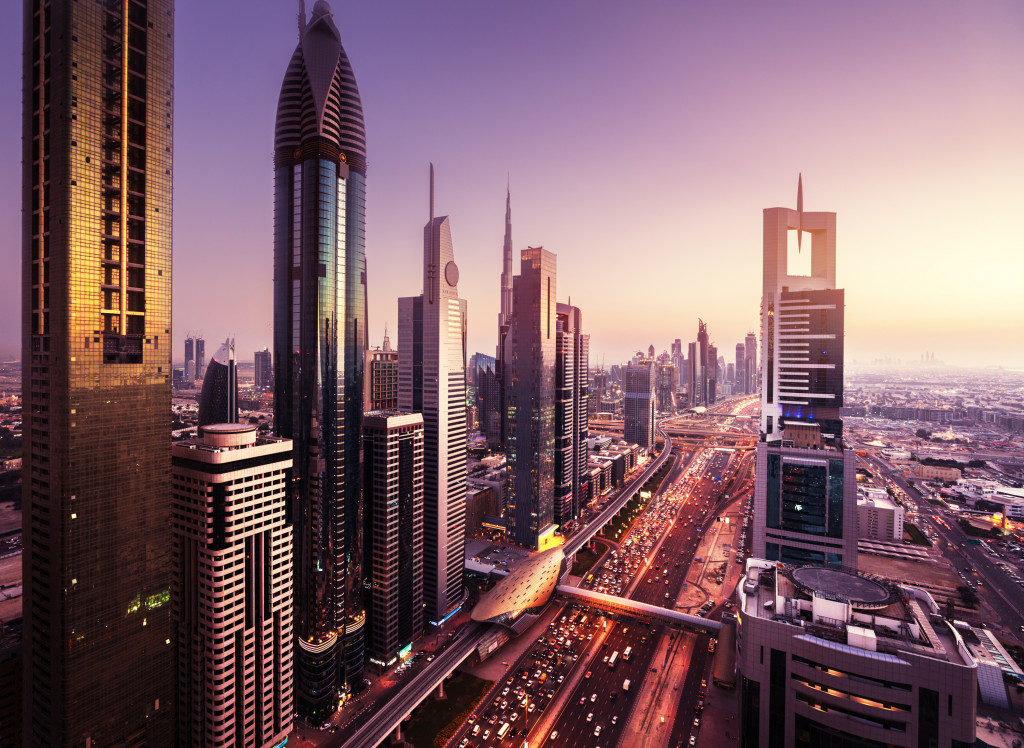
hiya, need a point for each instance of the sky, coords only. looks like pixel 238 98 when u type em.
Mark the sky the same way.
pixel 641 141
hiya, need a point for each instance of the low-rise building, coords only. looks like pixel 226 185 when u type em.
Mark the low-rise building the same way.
pixel 830 656
pixel 880 517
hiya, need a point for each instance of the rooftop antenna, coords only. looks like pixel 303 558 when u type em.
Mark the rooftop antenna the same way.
pixel 431 269
pixel 799 209
pixel 302 18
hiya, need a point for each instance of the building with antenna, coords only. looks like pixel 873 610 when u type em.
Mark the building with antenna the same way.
pixel 432 381
pixel 319 344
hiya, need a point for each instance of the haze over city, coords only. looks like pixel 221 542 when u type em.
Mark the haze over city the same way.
pixel 641 143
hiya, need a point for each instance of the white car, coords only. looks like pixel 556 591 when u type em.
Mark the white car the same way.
pixel 590 717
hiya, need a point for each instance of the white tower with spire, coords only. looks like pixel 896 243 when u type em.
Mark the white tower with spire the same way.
pixel 432 381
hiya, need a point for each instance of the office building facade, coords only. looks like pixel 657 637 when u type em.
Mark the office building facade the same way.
pixel 432 381
pixel 528 368
pixel 665 386
pixel 218 400
pixel 393 471
pixel 638 388
pixel 233 587
pixel 319 345
pixel 96 352
pixel 489 398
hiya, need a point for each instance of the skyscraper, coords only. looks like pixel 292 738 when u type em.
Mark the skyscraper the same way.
pixel 488 398
pixel 319 343
pixel 638 382
pixel 740 377
pixel 200 358
pixel 666 387
pixel 529 371
pixel 505 313
pixel 753 373
pixel 96 351
pixel 190 358
pixel 703 367
pixel 571 413
pixel 432 381
pixel 805 495
pixel 218 400
pixel 233 587
pixel 393 471
pixel 264 369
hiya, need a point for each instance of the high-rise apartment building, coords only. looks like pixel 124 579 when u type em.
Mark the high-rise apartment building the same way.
pixel 432 381
pixel 232 596
pixel 571 413
pixel 96 352
pixel 264 370
pixel 805 496
pixel 638 386
pixel 319 344
pixel 528 368
pixel 665 385
pixel 218 400
pixel 381 372
pixel 393 471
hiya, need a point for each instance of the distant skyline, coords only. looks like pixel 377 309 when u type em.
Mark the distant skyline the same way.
pixel 642 142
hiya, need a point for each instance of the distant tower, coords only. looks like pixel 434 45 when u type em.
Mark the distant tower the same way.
pixel 233 566
pixel 393 469
pixel 97 124
pixel 753 373
pixel 200 358
pixel 190 358
pixel 529 371
pixel 319 344
pixel 432 381
pixel 638 388
pixel 218 400
pixel 264 369
pixel 740 377
pixel 506 266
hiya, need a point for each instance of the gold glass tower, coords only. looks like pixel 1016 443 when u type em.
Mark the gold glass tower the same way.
pixel 96 352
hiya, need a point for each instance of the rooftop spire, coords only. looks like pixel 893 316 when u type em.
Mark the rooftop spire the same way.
pixel 505 312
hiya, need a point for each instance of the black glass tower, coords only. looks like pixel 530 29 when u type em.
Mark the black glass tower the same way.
pixel 96 351
pixel 218 400
pixel 319 344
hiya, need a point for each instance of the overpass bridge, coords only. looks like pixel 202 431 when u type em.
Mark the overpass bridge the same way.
pixel 636 609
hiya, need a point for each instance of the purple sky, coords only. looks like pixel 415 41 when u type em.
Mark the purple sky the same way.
pixel 643 140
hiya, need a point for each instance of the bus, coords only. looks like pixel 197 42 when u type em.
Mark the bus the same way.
pixel 503 731
pixel 627 653
pixel 613 660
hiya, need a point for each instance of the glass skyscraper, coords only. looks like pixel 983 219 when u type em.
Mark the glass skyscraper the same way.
pixel 319 344
pixel 96 352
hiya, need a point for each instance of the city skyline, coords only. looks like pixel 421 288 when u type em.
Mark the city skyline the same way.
pixel 912 141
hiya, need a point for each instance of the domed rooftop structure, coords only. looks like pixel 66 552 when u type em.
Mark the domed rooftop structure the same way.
pixel 319 111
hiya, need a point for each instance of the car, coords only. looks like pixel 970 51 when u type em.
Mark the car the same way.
pixel 696 721
pixel 693 740
pixel 554 734
pixel 464 743
pixel 593 698
pixel 597 731
pixel 589 673
pixel 615 719
pixel 590 717
pixel 533 706
pixel 504 691
pixel 583 700
pixel 486 735
pixel 514 717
